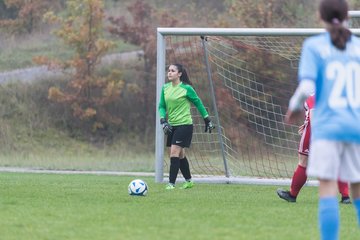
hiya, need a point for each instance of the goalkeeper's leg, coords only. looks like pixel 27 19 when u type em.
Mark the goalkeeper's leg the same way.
pixel 181 140
pixel 174 165
pixel 174 169
pixel 184 166
pixel 185 170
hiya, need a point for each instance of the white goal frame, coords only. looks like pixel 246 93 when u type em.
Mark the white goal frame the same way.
pixel 160 80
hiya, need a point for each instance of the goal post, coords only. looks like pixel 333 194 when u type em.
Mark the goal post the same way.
pixel 245 77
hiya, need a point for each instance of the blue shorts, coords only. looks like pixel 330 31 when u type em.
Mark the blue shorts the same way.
pixel 180 136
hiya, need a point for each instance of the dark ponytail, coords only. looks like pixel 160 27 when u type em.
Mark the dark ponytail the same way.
pixel 184 76
pixel 335 12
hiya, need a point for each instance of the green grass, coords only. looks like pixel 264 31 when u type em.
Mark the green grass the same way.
pixel 124 161
pixel 45 206
pixel 55 150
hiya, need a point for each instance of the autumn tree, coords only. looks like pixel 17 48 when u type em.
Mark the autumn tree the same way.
pixel 140 30
pixel 24 15
pixel 87 94
pixel 270 13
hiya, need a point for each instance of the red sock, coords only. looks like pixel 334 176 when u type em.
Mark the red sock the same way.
pixel 343 188
pixel 298 180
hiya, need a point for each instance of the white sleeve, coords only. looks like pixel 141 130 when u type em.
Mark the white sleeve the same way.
pixel 303 91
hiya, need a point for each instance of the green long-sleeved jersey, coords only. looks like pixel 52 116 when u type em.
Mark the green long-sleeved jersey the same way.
pixel 175 101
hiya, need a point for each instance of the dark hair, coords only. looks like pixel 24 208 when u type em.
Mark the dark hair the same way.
pixel 334 12
pixel 184 76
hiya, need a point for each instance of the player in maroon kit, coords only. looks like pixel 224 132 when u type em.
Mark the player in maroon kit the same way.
pixel 299 178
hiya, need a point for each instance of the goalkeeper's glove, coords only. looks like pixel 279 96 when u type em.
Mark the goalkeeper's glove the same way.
pixel 166 126
pixel 208 125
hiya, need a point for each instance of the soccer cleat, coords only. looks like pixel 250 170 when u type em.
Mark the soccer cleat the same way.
pixel 285 195
pixel 187 184
pixel 170 186
pixel 345 200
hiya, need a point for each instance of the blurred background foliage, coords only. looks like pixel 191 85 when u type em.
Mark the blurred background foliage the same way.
pixel 112 105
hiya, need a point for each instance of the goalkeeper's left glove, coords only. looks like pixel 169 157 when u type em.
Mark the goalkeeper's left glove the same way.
pixel 208 125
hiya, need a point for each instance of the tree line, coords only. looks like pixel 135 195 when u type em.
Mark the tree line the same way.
pixel 94 98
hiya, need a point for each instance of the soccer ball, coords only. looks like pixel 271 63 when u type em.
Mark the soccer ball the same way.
pixel 138 187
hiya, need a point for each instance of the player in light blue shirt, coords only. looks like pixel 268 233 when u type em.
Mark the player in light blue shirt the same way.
pixel 335 73
pixel 330 66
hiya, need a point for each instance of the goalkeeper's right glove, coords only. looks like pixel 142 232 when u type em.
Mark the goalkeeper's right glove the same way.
pixel 166 126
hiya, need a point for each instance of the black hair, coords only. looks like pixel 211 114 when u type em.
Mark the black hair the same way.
pixel 184 76
pixel 334 12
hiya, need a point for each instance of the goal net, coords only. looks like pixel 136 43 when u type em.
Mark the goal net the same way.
pixel 245 77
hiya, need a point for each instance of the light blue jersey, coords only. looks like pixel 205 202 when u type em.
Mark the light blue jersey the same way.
pixel 337 79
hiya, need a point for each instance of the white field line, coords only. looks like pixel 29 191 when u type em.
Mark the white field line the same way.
pixel 196 178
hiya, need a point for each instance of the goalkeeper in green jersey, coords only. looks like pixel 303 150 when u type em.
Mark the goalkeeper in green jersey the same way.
pixel 175 102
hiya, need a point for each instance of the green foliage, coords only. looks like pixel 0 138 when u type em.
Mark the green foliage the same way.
pixel 44 206
pixel 24 15
pixel 22 116
pixel 36 132
pixel 271 13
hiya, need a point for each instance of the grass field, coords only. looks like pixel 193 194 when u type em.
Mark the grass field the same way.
pixel 54 206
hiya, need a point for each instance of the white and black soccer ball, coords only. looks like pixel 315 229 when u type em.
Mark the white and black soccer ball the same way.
pixel 137 187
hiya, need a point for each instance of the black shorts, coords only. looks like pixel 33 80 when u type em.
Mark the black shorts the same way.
pixel 180 136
